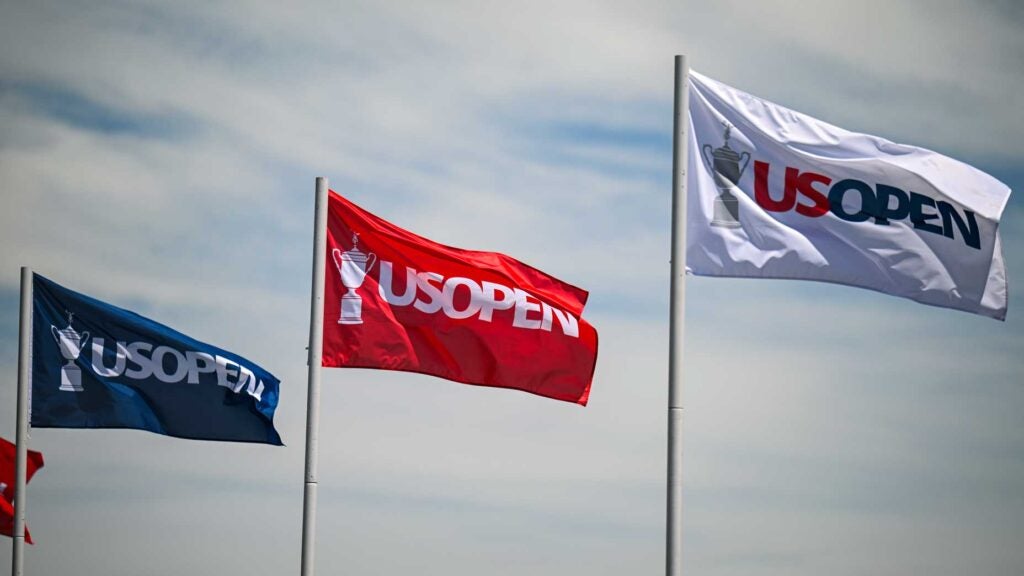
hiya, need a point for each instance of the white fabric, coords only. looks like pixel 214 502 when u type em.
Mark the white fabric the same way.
pixel 913 256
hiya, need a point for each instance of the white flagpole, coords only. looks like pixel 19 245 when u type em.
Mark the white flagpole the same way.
pixel 677 313
pixel 316 345
pixel 21 439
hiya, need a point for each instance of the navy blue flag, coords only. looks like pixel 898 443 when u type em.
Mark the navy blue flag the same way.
pixel 98 366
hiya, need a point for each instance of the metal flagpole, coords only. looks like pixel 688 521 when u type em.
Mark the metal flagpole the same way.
pixel 316 344
pixel 677 313
pixel 21 439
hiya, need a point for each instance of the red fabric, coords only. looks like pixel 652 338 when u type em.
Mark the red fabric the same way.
pixel 7 474
pixel 477 317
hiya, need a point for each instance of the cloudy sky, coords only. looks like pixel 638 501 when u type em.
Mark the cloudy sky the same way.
pixel 161 157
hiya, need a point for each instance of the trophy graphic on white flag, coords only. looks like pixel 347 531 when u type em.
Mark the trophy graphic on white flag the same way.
pixel 353 265
pixel 71 344
pixel 724 163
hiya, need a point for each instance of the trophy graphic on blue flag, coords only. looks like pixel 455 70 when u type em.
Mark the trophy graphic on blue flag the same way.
pixel 71 343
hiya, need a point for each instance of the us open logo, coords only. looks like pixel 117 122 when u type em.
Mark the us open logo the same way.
pixel 144 361
pixel 814 195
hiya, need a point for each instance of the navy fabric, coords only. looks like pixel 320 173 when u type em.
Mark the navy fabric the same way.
pixel 99 366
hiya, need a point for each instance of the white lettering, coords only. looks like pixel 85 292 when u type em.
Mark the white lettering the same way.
pixel 386 287
pixel 120 356
pixel 430 292
pixel 570 327
pixel 145 367
pixel 489 303
pixel 449 298
pixel 247 378
pixel 524 307
pixel 257 392
pixel 244 374
pixel 193 360
pixel 180 366
pixel 225 368
pixel 545 317
pixel 433 292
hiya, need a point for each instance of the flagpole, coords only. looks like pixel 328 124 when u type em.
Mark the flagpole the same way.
pixel 316 341
pixel 21 438
pixel 677 313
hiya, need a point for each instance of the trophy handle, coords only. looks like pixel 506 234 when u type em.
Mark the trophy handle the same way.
pixel 704 153
pixel 337 258
pixel 745 164
pixel 85 336
pixel 370 261
pixel 56 334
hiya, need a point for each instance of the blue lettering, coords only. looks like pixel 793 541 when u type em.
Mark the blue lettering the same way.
pixel 968 229
pixel 867 200
pixel 919 217
pixel 885 209
pixel 882 204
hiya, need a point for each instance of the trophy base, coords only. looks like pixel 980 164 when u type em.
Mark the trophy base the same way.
pixel 71 379
pixel 727 211
pixel 351 309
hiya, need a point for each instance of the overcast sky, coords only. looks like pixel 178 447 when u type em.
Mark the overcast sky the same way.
pixel 161 157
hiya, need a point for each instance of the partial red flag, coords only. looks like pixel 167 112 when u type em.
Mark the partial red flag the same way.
pixel 7 483
pixel 398 301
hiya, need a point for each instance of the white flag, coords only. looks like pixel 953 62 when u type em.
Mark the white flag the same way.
pixel 777 194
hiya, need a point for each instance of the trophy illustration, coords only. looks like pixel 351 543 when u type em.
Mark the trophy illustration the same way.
pixel 71 344
pixel 725 164
pixel 353 266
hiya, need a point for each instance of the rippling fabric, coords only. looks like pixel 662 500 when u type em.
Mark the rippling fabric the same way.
pixel 398 301
pixel 33 462
pixel 773 193
pixel 95 365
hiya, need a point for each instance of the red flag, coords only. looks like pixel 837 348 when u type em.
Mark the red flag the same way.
pixel 398 301
pixel 7 484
